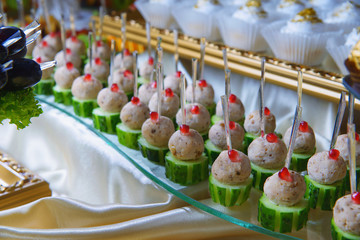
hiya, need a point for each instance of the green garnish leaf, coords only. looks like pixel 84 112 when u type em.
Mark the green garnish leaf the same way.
pixel 19 106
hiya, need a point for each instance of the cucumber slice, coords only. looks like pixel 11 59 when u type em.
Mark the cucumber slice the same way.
pixel 281 218
pixel 323 196
pixel 129 95
pixel 212 151
pixel 127 136
pixel 248 138
pixel 338 234
pixel 84 108
pixel 229 195
pixel 154 154
pixel 63 96
pixel 347 179
pixel 142 81
pixel 44 87
pixel 105 121
pixel 186 172
pixel 216 118
pixel 260 175
pixel 299 161
pixel 211 109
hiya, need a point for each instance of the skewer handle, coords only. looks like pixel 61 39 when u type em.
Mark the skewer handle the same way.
pixel 352 155
pixel 135 69
pixel 194 73
pixel 225 106
pixel 338 120
pixel 202 56
pixel 294 131
pixel 182 98
pixel 176 54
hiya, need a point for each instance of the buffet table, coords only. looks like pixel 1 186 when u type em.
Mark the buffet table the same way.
pixel 99 194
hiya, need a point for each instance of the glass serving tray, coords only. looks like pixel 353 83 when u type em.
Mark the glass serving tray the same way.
pixel 318 226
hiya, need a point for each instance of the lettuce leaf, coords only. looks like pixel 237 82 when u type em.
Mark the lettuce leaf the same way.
pixel 19 106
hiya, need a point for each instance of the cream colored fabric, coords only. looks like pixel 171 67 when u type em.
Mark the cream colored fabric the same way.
pixel 98 194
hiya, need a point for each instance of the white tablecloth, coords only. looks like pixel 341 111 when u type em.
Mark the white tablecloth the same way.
pixel 98 194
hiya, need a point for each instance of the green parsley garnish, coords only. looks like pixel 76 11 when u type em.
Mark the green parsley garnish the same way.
pixel 19 106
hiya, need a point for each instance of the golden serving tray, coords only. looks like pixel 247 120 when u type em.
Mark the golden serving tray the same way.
pixel 318 83
pixel 18 185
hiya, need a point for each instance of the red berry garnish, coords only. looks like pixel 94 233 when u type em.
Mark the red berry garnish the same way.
pixel 202 83
pixel 135 100
pixel 154 116
pixel 266 111
pixel 98 43
pixel 53 34
pixel 68 51
pixel 169 92
pixel 284 174
pixel 357 137
pixel 127 52
pixel 232 98
pixel 127 73
pixel 234 155
pixel 154 84
pixel 44 43
pixel 74 39
pixel 178 74
pixel 87 77
pixel 114 87
pixel 151 61
pixel 355 196
pixel 195 109
pixel 334 154
pixel 271 138
pixel 69 65
pixel 303 127
pixel 184 129
pixel 232 125
pixel 38 60
pixel 98 61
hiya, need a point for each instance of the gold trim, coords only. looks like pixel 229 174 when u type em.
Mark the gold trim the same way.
pixel 18 185
pixel 318 83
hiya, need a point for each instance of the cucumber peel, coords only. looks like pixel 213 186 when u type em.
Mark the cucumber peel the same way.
pixel 63 96
pixel 84 108
pixel 282 218
pixel 151 152
pixel 323 196
pixel 260 175
pixel 128 137
pixel 186 172
pixel 44 87
pixel 212 151
pixel 105 121
pixel 229 195
pixel 299 160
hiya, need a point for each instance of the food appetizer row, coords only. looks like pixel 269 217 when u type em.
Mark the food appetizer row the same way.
pixel 243 152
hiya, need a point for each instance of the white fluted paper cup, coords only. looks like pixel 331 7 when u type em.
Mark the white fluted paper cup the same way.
pixel 158 14
pixel 240 34
pixel 300 48
pixel 339 52
pixel 196 23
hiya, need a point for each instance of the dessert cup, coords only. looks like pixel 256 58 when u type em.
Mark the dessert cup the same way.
pixel 196 23
pixel 339 52
pixel 158 13
pixel 298 47
pixel 240 34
